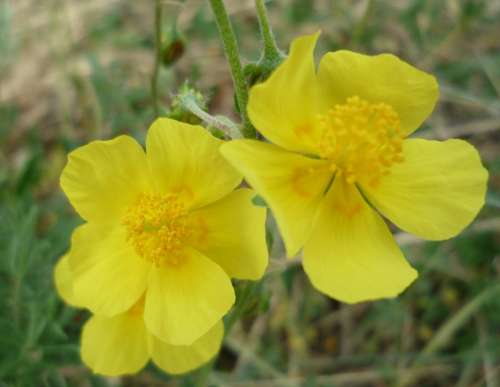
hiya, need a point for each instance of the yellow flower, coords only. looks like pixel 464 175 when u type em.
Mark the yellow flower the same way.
pixel 167 224
pixel 121 344
pixel 340 155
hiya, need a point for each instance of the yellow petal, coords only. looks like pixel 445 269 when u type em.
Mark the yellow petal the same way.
pixel 380 78
pixel 284 107
pixel 351 255
pixel 115 346
pixel 436 192
pixel 177 359
pixel 291 184
pixel 185 159
pixel 63 279
pixel 96 172
pixel 184 301
pixel 109 277
pixel 232 233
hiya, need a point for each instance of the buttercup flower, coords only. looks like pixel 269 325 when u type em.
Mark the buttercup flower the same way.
pixel 340 155
pixel 166 225
pixel 121 344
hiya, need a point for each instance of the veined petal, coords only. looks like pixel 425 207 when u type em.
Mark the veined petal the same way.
pixel 232 233
pixel 291 184
pixel 109 277
pixel 185 301
pixel 284 107
pixel 115 346
pixel 436 192
pixel 185 159
pixel 63 279
pixel 381 78
pixel 351 255
pixel 97 171
pixel 178 359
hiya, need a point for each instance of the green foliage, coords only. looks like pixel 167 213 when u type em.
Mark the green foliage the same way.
pixel 37 332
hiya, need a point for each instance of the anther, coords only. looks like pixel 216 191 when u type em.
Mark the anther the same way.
pixel 361 139
pixel 156 226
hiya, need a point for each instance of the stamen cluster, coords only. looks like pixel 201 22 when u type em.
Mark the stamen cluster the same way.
pixel 362 139
pixel 156 226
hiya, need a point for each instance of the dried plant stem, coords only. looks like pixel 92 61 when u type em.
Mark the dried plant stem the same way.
pixel 448 329
pixel 490 373
pixel 156 68
pixel 358 377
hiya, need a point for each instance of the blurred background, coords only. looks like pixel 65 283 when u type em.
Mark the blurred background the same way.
pixel 73 71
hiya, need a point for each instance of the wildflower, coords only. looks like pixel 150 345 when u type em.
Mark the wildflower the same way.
pixel 340 156
pixel 121 344
pixel 167 224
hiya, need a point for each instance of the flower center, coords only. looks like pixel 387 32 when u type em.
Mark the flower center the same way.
pixel 361 139
pixel 156 227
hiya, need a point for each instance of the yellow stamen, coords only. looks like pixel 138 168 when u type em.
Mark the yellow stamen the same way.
pixel 156 227
pixel 361 139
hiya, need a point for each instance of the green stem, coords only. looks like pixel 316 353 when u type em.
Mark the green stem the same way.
pixel 233 57
pixel 156 69
pixel 203 374
pixel 242 303
pixel 271 50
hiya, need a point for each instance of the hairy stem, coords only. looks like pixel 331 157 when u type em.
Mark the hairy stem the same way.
pixel 233 57
pixel 222 123
pixel 271 50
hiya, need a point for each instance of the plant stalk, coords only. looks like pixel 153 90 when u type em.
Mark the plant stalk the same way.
pixel 157 63
pixel 203 374
pixel 233 57
pixel 271 50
